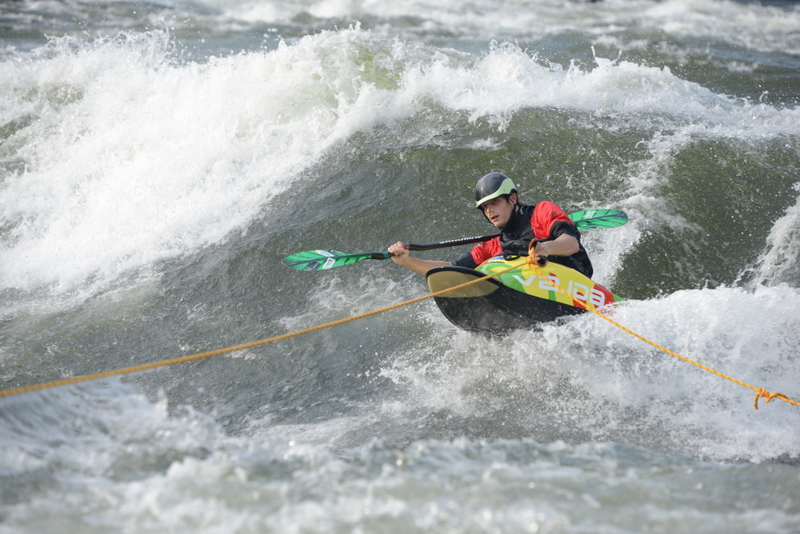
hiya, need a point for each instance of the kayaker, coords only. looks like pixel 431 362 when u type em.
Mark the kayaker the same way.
pixel 542 229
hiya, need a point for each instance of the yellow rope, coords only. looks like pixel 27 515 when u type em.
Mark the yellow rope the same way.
pixel 760 392
pixel 201 355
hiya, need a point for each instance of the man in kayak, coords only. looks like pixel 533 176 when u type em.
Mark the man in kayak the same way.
pixel 542 229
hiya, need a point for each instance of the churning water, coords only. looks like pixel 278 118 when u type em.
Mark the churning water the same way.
pixel 158 159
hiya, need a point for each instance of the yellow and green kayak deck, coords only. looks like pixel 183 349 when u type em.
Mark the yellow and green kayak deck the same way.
pixel 522 298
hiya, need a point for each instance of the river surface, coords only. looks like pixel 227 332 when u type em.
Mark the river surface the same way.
pixel 158 160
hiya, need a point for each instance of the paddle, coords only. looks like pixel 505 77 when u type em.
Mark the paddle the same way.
pixel 320 260
pixel 587 219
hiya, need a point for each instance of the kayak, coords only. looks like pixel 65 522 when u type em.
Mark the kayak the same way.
pixel 523 298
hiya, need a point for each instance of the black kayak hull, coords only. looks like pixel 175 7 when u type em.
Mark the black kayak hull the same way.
pixel 490 307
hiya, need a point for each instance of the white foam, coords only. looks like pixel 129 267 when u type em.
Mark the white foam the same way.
pixel 780 263
pixel 749 25
pixel 131 158
pixel 752 26
pixel 613 386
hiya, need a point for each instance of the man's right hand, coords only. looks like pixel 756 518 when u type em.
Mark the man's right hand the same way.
pixel 399 253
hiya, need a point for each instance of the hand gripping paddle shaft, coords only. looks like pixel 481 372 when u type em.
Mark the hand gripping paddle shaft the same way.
pixel 320 260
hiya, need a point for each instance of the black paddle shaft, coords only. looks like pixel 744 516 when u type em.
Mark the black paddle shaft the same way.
pixel 452 242
pixel 541 261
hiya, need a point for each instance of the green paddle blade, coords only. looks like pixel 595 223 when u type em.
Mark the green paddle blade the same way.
pixel 320 260
pixel 598 219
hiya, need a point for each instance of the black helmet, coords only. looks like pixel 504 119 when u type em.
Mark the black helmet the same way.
pixel 491 186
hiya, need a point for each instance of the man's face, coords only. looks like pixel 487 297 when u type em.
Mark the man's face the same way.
pixel 499 210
